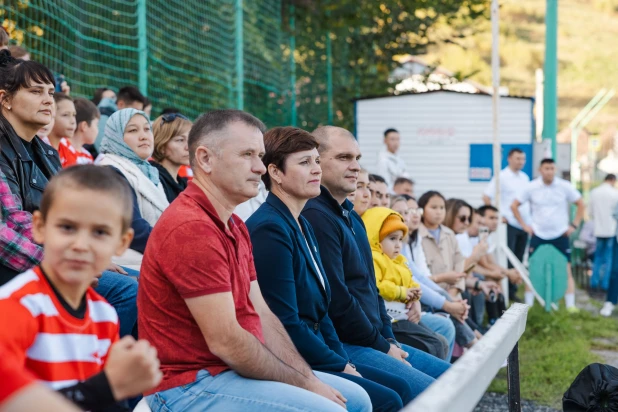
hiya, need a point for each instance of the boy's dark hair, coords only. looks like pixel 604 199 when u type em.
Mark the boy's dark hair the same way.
pixel 218 120
pixel 407 197
pixel 401 180
pixel 483 209
pixel 58 97
pixel 610 177
pixel 86 111
pixel 387 131
pixel 169 110
pixel 147 102
pixel 376 179
pixel 91 177
pixel 547 161
pixel 16 74
pixel 98 95
pixel 130 94
pixel 515 150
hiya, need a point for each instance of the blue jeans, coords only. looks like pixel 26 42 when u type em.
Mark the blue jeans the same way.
pixel 388 392
pixel 121 292
pixel 602 263
pixel 230 392
pixel 424 371
pixel 612 291
pixel 443 326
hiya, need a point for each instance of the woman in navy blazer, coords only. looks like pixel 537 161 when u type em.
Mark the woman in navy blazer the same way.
pixel 290 272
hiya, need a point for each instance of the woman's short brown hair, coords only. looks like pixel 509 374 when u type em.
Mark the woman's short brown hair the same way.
pixel 164 130
pixel 280 142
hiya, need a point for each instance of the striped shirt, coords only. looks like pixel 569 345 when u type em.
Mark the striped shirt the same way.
pixel 70 156
pixel 55 346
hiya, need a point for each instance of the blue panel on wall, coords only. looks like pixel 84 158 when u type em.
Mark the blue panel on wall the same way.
pixel 481 160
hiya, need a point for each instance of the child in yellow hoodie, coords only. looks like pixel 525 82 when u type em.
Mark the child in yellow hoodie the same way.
pixel 386 229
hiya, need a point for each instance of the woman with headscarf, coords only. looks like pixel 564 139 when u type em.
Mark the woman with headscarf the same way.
pixel 127 145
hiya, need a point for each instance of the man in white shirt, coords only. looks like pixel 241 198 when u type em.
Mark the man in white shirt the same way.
pixel 390 165
pixel 603 201
pixel 512 180
pixel 549 198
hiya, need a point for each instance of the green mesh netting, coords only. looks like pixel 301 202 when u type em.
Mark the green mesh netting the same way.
pixel 191 50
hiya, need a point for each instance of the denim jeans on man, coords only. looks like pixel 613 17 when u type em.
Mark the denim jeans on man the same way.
pixel 601 270
pixel 230 392
pixel 425 370
pixel 121 292
pixel 612 291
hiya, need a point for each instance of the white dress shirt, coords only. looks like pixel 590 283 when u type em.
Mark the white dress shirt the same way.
pixel 603 201
pixel 549 205
pixel 511 183
pixel 391 166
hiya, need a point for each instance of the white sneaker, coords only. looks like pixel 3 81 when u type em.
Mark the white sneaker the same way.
pixel 607 309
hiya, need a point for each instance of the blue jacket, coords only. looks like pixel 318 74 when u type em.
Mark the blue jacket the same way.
pixel 291 284
pixel 357 309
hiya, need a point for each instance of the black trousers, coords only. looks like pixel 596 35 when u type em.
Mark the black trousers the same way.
pixel 516 240
pixel 421 337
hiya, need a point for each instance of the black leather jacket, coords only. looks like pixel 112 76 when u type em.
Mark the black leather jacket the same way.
pixel 25 178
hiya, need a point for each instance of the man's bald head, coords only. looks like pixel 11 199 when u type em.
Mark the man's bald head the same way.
pixel 324 135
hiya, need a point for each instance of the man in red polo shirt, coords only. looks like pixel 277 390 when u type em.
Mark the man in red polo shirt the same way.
pixel 200 306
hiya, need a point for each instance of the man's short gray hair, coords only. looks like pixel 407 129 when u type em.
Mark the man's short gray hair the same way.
pixel 205 128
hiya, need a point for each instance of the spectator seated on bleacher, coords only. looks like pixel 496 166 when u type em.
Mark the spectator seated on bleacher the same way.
pixel 171 152
pixel 362 195
pixel 26 99
pixel 435 299
pixel 289 269
pixel 200 304
pixel 357 310
pixel 127 146
pixel 54 323
pixel 386 230
pixel 380 193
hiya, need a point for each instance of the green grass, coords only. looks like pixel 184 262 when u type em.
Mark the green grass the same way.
pixel 554 349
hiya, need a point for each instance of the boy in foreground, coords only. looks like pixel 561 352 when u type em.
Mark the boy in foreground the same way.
pixel 52 321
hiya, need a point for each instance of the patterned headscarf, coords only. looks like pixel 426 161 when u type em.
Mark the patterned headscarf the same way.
pixel 113 142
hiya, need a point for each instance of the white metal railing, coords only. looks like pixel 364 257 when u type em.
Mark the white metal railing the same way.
pixel 461 387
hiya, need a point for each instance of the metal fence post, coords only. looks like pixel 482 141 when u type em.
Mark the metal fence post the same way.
pixel 240 75
pixel 329 77
pixel 292 66
pixel 513 380
pixel 142 46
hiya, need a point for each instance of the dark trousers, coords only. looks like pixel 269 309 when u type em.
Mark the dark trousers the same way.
pixel 612 292
pixel 388 392
pixel 516 240
pixel 421 337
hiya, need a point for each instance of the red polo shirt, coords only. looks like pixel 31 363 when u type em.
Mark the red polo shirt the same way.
pixel 191 253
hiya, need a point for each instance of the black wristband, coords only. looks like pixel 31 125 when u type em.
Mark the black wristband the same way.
pixel 573 225
pixel 394 342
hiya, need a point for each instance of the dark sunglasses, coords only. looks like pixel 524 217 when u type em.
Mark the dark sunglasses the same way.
pixel 464 219
pixel 170 117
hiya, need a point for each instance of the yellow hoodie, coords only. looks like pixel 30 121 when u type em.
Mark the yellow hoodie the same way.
pixel 392 275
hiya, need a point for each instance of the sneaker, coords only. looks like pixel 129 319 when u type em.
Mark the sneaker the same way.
pixel 573 309
pixel 607 309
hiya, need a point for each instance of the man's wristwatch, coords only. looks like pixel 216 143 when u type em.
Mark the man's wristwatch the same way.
pixel 573 225
pixel 394 342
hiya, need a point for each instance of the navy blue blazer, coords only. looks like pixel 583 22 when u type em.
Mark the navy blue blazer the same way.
pixel 291 285
pixel 358 310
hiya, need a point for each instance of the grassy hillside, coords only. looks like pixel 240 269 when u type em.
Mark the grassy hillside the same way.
pixel 587 52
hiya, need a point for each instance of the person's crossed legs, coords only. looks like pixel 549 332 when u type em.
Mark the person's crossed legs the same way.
pixel 231 392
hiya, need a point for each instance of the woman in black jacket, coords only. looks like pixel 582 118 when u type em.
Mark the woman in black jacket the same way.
pixel 289 269
pixel 171 133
